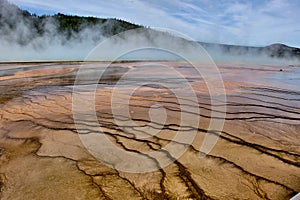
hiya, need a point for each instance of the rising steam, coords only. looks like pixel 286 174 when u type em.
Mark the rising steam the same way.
pixel 26 37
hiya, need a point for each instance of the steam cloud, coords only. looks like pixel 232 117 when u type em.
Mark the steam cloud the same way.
pixel 26 37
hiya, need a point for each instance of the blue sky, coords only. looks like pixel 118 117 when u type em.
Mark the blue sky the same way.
pixel 254 23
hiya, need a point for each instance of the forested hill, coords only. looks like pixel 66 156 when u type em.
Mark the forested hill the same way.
pixel 63 36
pixel 22 26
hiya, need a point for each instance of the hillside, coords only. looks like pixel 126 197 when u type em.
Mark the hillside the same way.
pixel 75 36
pixel 23 27
pixel 273 51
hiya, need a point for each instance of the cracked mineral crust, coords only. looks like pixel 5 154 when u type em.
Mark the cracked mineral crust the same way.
pixel 42 155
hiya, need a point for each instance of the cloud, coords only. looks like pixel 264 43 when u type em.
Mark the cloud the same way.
pixel 256 23
pixel 262 23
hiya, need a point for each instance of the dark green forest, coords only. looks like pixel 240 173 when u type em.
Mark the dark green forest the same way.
pixel 12 19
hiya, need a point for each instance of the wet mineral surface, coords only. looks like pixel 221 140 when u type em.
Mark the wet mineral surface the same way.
pixel 42 155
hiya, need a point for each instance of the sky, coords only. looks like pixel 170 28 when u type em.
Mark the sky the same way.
pixel 238 22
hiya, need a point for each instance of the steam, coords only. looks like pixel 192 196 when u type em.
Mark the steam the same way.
pixel 25 37
pixel 273 54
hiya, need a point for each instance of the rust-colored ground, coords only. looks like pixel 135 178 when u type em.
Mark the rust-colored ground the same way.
pixel 257 155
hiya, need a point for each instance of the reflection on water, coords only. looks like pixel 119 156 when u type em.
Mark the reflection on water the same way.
pixel 290 78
